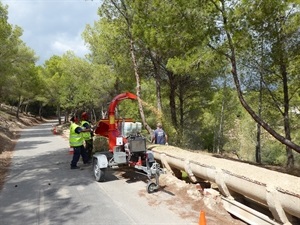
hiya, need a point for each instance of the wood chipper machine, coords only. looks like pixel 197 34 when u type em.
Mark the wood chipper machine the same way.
pixel 127 146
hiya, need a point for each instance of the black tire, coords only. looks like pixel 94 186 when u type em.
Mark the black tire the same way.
pixel 151 187
pixel 98 172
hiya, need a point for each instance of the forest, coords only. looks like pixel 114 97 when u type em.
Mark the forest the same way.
pixel 221 75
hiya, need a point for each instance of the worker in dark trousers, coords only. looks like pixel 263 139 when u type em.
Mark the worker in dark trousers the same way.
pixel 159 137
pixel 88 137
pixel 76 142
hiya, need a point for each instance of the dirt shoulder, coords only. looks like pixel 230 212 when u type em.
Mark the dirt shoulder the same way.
pixel 10 128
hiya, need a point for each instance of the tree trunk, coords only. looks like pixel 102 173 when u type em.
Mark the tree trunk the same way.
pixel 173 87
pixel 20 101
pixel 26 108
pixel 258 127
pixel 155 61
pixel 181 116
pixel 122 8
pixel 58 114
pixel 138 86
pixel 266 126
pixel 231 56
pixel 220 131
pixel 40 109
pixel 287 130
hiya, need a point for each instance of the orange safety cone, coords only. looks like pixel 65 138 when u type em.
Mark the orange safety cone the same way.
pixel 71 151
pixel 202 219
pixel 139 162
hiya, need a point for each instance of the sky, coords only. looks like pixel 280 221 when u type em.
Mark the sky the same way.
pixel 52 27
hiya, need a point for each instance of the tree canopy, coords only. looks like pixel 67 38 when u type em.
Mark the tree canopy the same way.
pixel 221 75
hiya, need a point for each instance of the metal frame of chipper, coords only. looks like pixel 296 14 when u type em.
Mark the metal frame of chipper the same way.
pixel 126 146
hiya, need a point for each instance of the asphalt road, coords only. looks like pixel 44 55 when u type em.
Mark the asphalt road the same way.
pixel 42 189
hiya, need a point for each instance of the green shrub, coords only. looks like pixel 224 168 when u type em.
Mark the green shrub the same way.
pixel 273 153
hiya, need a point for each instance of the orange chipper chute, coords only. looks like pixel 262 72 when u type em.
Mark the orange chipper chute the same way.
pixel 107 127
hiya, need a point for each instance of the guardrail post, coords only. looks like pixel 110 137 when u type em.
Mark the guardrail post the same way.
pixel 275 205
pixel 165 163
pixel 189 172
pixel 221 183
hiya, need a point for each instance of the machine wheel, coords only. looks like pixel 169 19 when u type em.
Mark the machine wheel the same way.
pixel 151 187
pixel 98 172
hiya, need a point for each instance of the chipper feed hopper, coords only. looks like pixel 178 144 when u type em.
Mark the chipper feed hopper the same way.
pixel 127 146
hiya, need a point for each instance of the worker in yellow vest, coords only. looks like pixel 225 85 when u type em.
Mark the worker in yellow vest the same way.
pixel 76 141
pixel 88 137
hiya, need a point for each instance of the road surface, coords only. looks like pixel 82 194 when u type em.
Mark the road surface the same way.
pixel 42 189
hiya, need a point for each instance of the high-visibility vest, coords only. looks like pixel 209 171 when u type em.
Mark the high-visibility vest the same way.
pixel 74 138
pixel 86 135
